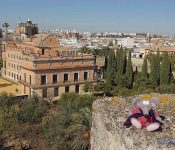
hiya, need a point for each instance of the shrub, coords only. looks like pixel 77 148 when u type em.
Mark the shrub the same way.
pixel 121 91
pixel 103 87
pixel 33 110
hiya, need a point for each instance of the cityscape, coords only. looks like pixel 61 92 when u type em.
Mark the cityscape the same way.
pixel 87 80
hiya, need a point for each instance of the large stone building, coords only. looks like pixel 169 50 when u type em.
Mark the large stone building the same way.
pixel 41 66
pixel 25 30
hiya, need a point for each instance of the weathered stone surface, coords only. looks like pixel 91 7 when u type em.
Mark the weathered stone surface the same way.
pixel 108 132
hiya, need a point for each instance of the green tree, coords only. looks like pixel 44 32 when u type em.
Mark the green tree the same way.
pixel 165 70
pixel 103 87
pixel 129 71
pixel 121 65
pixel 145 68
pixel 6 25
pixel 33 110
pixel 80 129
pixel 153 72
pixel 88 87
pixel 157 67
pixel 85 50
pixel 110 70
pixel 106 51
pixel 70 127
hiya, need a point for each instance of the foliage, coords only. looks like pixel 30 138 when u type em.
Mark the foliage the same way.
pixel 110 70
pixel 70 127
pixel 103 87
pixel 79 129
pixel 145 68
pixel 167 88
pixel 165 70
pixel 88 87
pixel 33 110
pixel 129 72
pixel 143 83
pixel 121 65
pixel 153 72
pixel 121 91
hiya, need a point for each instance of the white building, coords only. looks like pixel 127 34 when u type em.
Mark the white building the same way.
pixel 138 53
pixel 126 42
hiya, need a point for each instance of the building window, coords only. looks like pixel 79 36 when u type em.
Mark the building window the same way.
pixel 55 91
pixel 43 51
pixel 75 76
pixel 66 77
pixel 66 89
pixel 24 77
pixel 30 79
pixel 4 63
pixel 45 93
pixel 24 89
pixel 85 76
pixel 77 89
pixel 54 78
pixel 43 79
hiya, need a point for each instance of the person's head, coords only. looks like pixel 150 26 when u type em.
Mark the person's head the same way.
pixel 146 106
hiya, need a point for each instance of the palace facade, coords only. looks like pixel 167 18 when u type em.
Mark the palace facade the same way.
pixel 41 66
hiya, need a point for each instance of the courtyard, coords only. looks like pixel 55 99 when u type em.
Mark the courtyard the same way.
pixel 8 87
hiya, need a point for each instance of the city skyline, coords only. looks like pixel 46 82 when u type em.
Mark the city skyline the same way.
pixel 93 16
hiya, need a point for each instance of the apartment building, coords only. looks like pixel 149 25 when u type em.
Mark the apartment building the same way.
pixel 42 66
pixel 159 46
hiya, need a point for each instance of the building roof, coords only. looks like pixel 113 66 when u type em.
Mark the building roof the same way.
pixel 43 40
pixel 161 48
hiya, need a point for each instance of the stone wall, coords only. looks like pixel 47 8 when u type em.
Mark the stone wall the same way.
pixel 108 132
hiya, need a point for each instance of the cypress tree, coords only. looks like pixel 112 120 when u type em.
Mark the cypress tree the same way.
pixel 157 61
pixel 110 70
pixel 165 70
pixel 172 80
pixel 153 72
pixel 129 71
pixel 121 64
pixel 145 68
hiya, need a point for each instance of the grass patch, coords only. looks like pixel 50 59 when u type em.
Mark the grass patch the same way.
pixel 8 87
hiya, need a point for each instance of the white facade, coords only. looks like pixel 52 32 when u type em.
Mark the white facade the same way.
pixel 126 42
pixel 138 53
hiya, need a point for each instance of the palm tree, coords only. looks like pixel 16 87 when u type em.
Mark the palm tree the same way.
pixel 70 127
pixel 79 130
pixel 5 25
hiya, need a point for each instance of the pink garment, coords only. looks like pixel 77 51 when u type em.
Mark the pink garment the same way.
pixel 142 119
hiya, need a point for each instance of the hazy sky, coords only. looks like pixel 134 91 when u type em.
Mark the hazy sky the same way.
pixel 154 16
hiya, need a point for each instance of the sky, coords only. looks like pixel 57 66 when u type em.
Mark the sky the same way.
pixel 149 16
